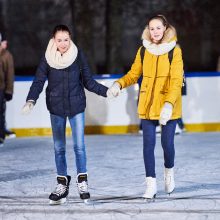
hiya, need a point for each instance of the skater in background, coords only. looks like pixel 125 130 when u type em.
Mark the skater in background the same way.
pixel 6 86
pixel 180 127
pixel 66 68
pixel 159 98
pixel 8 69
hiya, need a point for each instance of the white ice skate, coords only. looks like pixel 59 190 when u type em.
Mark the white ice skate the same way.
pixel 59 195
pixel 151 189
pixel 169 180
pixel 82 185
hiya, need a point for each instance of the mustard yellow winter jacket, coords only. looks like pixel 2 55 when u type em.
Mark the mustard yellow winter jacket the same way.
pixel 161 83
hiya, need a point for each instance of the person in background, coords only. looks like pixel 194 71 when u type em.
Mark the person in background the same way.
pixel 159 98
pixel 6 86
pixel 66 69
pixel 180 126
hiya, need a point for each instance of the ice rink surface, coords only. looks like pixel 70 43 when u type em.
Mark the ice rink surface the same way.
pixel 116 179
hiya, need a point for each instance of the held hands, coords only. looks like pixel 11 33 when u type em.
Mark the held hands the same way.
pixel 27 107
pixel 114 90
pixel 166 113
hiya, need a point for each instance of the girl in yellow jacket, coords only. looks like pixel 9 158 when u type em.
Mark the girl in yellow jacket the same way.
pixel 159 98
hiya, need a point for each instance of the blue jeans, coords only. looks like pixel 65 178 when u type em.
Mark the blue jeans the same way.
pixel 77 124
pixel 149 141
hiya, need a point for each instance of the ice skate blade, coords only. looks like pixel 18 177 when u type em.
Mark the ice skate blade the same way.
pixel 88 202
pixel 169 193
pixel 84 196
pixel 59 202
pixel 150 199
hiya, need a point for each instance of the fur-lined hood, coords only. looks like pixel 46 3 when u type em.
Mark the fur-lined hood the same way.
pixel 167 44
pixel 169 35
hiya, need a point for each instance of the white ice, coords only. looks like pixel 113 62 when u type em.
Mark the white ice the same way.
pixel 116 179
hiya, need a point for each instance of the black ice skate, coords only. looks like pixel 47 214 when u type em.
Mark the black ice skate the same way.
pixel 82 185
pixel 59 195
pixel 9 133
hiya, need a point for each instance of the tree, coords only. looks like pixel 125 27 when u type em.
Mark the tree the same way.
pixel 114 32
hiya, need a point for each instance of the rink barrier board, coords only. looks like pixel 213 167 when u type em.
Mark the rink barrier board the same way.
pixel 25 132
pixel 121 129
pixel 206 127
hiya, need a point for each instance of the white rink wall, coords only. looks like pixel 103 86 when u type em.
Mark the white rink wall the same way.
pixel 99 110
pixel 200 106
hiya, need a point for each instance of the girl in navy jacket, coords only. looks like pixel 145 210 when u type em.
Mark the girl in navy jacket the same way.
pixel 66 69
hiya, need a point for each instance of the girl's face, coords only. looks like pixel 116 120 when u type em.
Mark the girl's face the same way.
pixel 4 44
pixel 62 41
pixel 157 30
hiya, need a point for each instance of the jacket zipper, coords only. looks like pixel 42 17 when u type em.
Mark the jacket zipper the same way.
pixel 152 93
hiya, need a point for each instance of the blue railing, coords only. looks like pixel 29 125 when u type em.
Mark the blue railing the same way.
pixel 116 76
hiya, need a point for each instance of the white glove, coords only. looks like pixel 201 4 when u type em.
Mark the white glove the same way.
pixel 114 89
pixel 27 107
pixel 166 113
pixel 109 94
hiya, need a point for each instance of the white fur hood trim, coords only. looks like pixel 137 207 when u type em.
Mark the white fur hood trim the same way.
pixel 158 49
pixel 58 61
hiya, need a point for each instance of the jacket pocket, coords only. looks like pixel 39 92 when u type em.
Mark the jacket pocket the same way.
pixel 163 74
pixel 164 91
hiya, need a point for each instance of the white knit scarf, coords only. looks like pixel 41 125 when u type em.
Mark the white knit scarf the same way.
pixel 158 49
pixel 57 60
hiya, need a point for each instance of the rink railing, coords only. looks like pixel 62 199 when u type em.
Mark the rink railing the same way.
pixel 201 110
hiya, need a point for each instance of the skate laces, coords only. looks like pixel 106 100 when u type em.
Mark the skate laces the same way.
pixel 60 189
pixel 82 187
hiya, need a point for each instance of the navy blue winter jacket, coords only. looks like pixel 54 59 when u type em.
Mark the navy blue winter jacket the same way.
pixel 65 95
